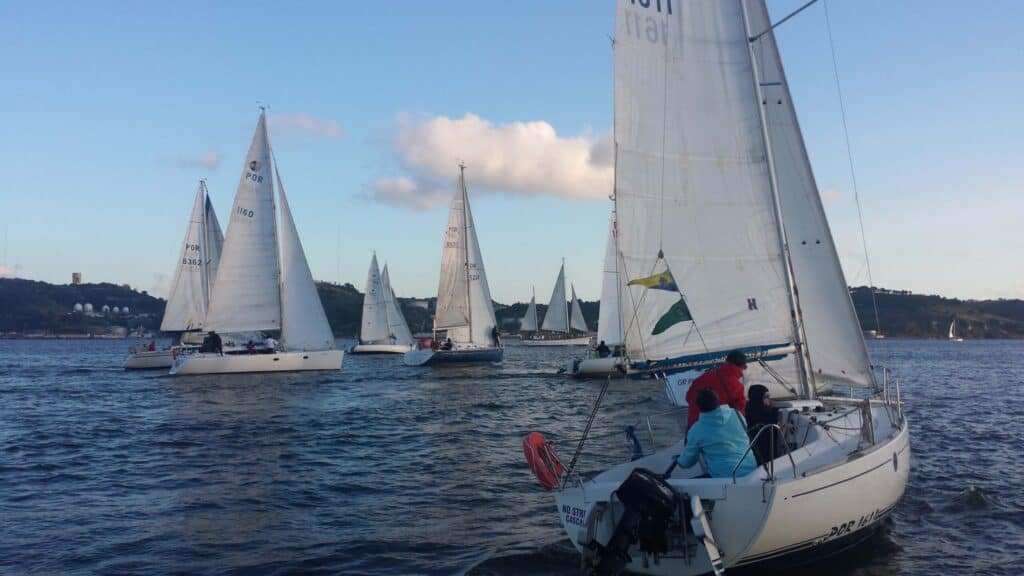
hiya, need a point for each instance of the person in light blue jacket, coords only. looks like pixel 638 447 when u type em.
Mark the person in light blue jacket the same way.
pixel 721 436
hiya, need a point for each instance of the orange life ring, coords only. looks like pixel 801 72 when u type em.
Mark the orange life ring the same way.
pixel 540 455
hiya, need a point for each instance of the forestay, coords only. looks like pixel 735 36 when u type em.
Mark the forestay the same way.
pixel 374 329
pixel 576 321
pixel 833 333
pixel 197 264
pixel 556 316
pixel 397 327
pixel 692 182
pixel 304 324
pixel 609 320
pixel 246 296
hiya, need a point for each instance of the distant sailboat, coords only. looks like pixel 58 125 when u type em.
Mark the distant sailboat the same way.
pixel 952 332
pixel 609 321
pixel 193 280
pixel 263 282
pixel 383 329
pixel 560 321
pixel 529 322
pixel 465 312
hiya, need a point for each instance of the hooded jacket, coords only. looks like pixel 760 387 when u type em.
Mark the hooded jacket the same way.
pixel 725 382
pixel 720 436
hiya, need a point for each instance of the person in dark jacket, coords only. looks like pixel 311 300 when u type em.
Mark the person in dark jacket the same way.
pixel 761 413
pixel 603 351
pixel 724 381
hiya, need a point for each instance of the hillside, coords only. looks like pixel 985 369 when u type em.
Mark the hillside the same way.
pixel 30 306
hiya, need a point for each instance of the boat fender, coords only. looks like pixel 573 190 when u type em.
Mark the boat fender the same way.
pixel 540 455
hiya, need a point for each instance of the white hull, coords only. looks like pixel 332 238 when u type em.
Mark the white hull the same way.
pixel 596 367
pixel 208 363
pixel 839 493
pixel 147 360
pixel 380 349
pixel 579 341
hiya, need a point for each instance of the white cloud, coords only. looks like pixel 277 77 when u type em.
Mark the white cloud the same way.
pixel 209 160
pixel 832 195
pixel 520 158
pixel 161 285
pixel 6 271
pixel 307 125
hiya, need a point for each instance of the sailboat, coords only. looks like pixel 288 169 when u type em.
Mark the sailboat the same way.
pixel 190 290
pixel 952 332
pixel 464 312
pixel 528 323
pixel 383 329
pixel 609 321
pixel 719 221
pixel 560 320
pixel 264 284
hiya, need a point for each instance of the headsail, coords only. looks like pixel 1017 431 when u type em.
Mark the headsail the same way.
pixel 576 321
pixel 692 189
pixel 529 321
pixel 246 296
pixel 197 264
pixel 304 324
pixel 609 320
pixel 374 329
pixel 557 315
pixel 834 337
pixel 398 329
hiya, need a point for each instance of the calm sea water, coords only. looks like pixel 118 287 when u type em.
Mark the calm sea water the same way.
pixel 383 469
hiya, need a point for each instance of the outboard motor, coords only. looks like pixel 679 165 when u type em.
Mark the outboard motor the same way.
pixel 649 503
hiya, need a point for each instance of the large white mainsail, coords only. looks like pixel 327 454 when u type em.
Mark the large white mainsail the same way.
pixel 374 329
pixel 197 266
pixel 304 324
pixel 397 327
pixel 247 296
pixel 833 333
pixel 694 206
pixel 556 317
pixel 609 319
pixel 576 321
pixel 464 306
pixel 529 321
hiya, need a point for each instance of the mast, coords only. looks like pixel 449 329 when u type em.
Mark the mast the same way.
pixel 465 244
pixel 803 359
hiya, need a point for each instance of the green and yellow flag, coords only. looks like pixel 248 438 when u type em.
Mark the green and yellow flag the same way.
pixel 676 314
pixel 660 281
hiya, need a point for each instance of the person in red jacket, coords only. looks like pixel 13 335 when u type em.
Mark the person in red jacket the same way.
pixel 725 381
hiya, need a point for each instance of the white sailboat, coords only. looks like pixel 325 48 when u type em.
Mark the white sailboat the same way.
pixel 719 220
pixel 609 321
pixel 263 282
pixel 193 281
pixel 952 332
pixel 464 312
pixel 383 329
pixel 561 320
pixel 528 323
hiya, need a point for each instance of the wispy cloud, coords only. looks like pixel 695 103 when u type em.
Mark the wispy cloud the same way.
pixel 7 271
pixel 518 158
pixel 832 195
pixel 209 160
pixel 161 285
pixel 306 125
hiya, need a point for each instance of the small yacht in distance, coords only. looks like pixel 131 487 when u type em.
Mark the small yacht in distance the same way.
pixel 562 325
pixel 383 329
pixel 952 332
pixel 465 313
pixel 264 285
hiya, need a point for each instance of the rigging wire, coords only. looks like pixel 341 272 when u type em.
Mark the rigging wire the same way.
pixel 853 174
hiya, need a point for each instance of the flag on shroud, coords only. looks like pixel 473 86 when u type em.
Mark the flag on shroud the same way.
pixel 676 314
pixel 661 281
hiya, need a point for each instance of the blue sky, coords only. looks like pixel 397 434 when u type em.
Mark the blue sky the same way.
pixel 113 110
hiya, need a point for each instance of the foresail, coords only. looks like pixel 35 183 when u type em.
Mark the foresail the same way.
pixel 576 321
pixel 246 295
pixel 556 316
pixel 304 324
pixel 453 291
pixel 529 321
pixel 188 297
pixel 697 233
pixel 398 329
pixel 374 328
pixel 609 320
pixel 214 245
pixel 481 307
pixel 833 332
